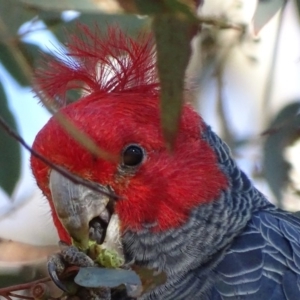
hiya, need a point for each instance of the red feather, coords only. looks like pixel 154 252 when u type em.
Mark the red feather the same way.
pixel 98 63
pixel 123 108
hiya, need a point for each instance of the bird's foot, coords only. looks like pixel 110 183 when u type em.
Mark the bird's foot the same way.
pixel 64 266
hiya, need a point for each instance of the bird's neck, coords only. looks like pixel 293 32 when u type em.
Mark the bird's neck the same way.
pixel 199 244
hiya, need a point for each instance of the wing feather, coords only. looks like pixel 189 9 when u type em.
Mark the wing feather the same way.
pixel 263 261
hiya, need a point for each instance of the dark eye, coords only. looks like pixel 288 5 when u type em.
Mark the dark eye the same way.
pixel 132 155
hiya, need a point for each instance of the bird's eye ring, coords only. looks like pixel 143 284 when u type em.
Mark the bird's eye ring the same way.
pixel 133 155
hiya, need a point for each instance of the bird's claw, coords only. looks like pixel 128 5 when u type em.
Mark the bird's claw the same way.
pixel 56 266
pixel 63 267
pixel 59 263
pixel 72 256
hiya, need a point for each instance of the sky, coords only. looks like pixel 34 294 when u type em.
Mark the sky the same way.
pixel 26 216
pixel 29 112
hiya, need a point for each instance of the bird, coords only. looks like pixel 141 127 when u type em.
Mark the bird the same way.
pixel 190 213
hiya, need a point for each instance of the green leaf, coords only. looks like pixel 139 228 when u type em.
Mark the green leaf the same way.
pixel 12 15
pixel 30 52
pixel 19 60
pixel 14 55
pixel 51 18
pixel 17 275
pixel 10 152
pixel 10 62
pixel 265 11
pixel 282 132
pixel 130 23
pixel 7 280
pixel 298 6
pixel 61 5
pixel 173 35
pixel 150 7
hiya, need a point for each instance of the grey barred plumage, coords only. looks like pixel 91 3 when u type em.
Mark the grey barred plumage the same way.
pixel 263 261
pixel 192 214
pixel 238 246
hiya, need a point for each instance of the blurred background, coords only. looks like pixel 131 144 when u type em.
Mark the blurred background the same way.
pixel 244 83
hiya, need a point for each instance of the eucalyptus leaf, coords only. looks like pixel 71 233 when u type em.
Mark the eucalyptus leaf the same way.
pixel 12 15
pixel 51 18
pixel 265 10
pixel 150 7
pixel 79 5
pixel 17 275
pixel 10 61
pixel 30 52
pixel 298 6
pixel 10 279
pixel 10 158
pixel 19 60
pixel 129 23
pixel 282 132
pixel 173 35
pixel 95 277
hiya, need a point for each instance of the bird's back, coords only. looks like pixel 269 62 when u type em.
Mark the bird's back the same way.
pixel 263 261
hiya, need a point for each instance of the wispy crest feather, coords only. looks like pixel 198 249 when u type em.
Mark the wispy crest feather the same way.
pixel 99 63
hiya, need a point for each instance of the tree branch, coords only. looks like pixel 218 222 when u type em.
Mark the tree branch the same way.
pixel 72 177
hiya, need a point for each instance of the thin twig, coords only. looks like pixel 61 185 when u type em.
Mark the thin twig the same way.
pixel 72 177
pixel 83 139
pixel 21 296
pixel 221 24
pixel 22 286
pixel 79 136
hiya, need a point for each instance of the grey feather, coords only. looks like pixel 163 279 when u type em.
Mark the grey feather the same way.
pixel 238 246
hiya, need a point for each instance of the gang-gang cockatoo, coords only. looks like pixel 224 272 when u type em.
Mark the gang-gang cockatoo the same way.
pixel 190 213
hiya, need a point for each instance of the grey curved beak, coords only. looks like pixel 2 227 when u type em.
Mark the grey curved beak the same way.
pixel 76 205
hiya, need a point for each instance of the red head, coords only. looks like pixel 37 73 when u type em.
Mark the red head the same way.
pixel 122 109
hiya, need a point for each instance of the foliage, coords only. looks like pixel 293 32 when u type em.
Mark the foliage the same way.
pixel 174 24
